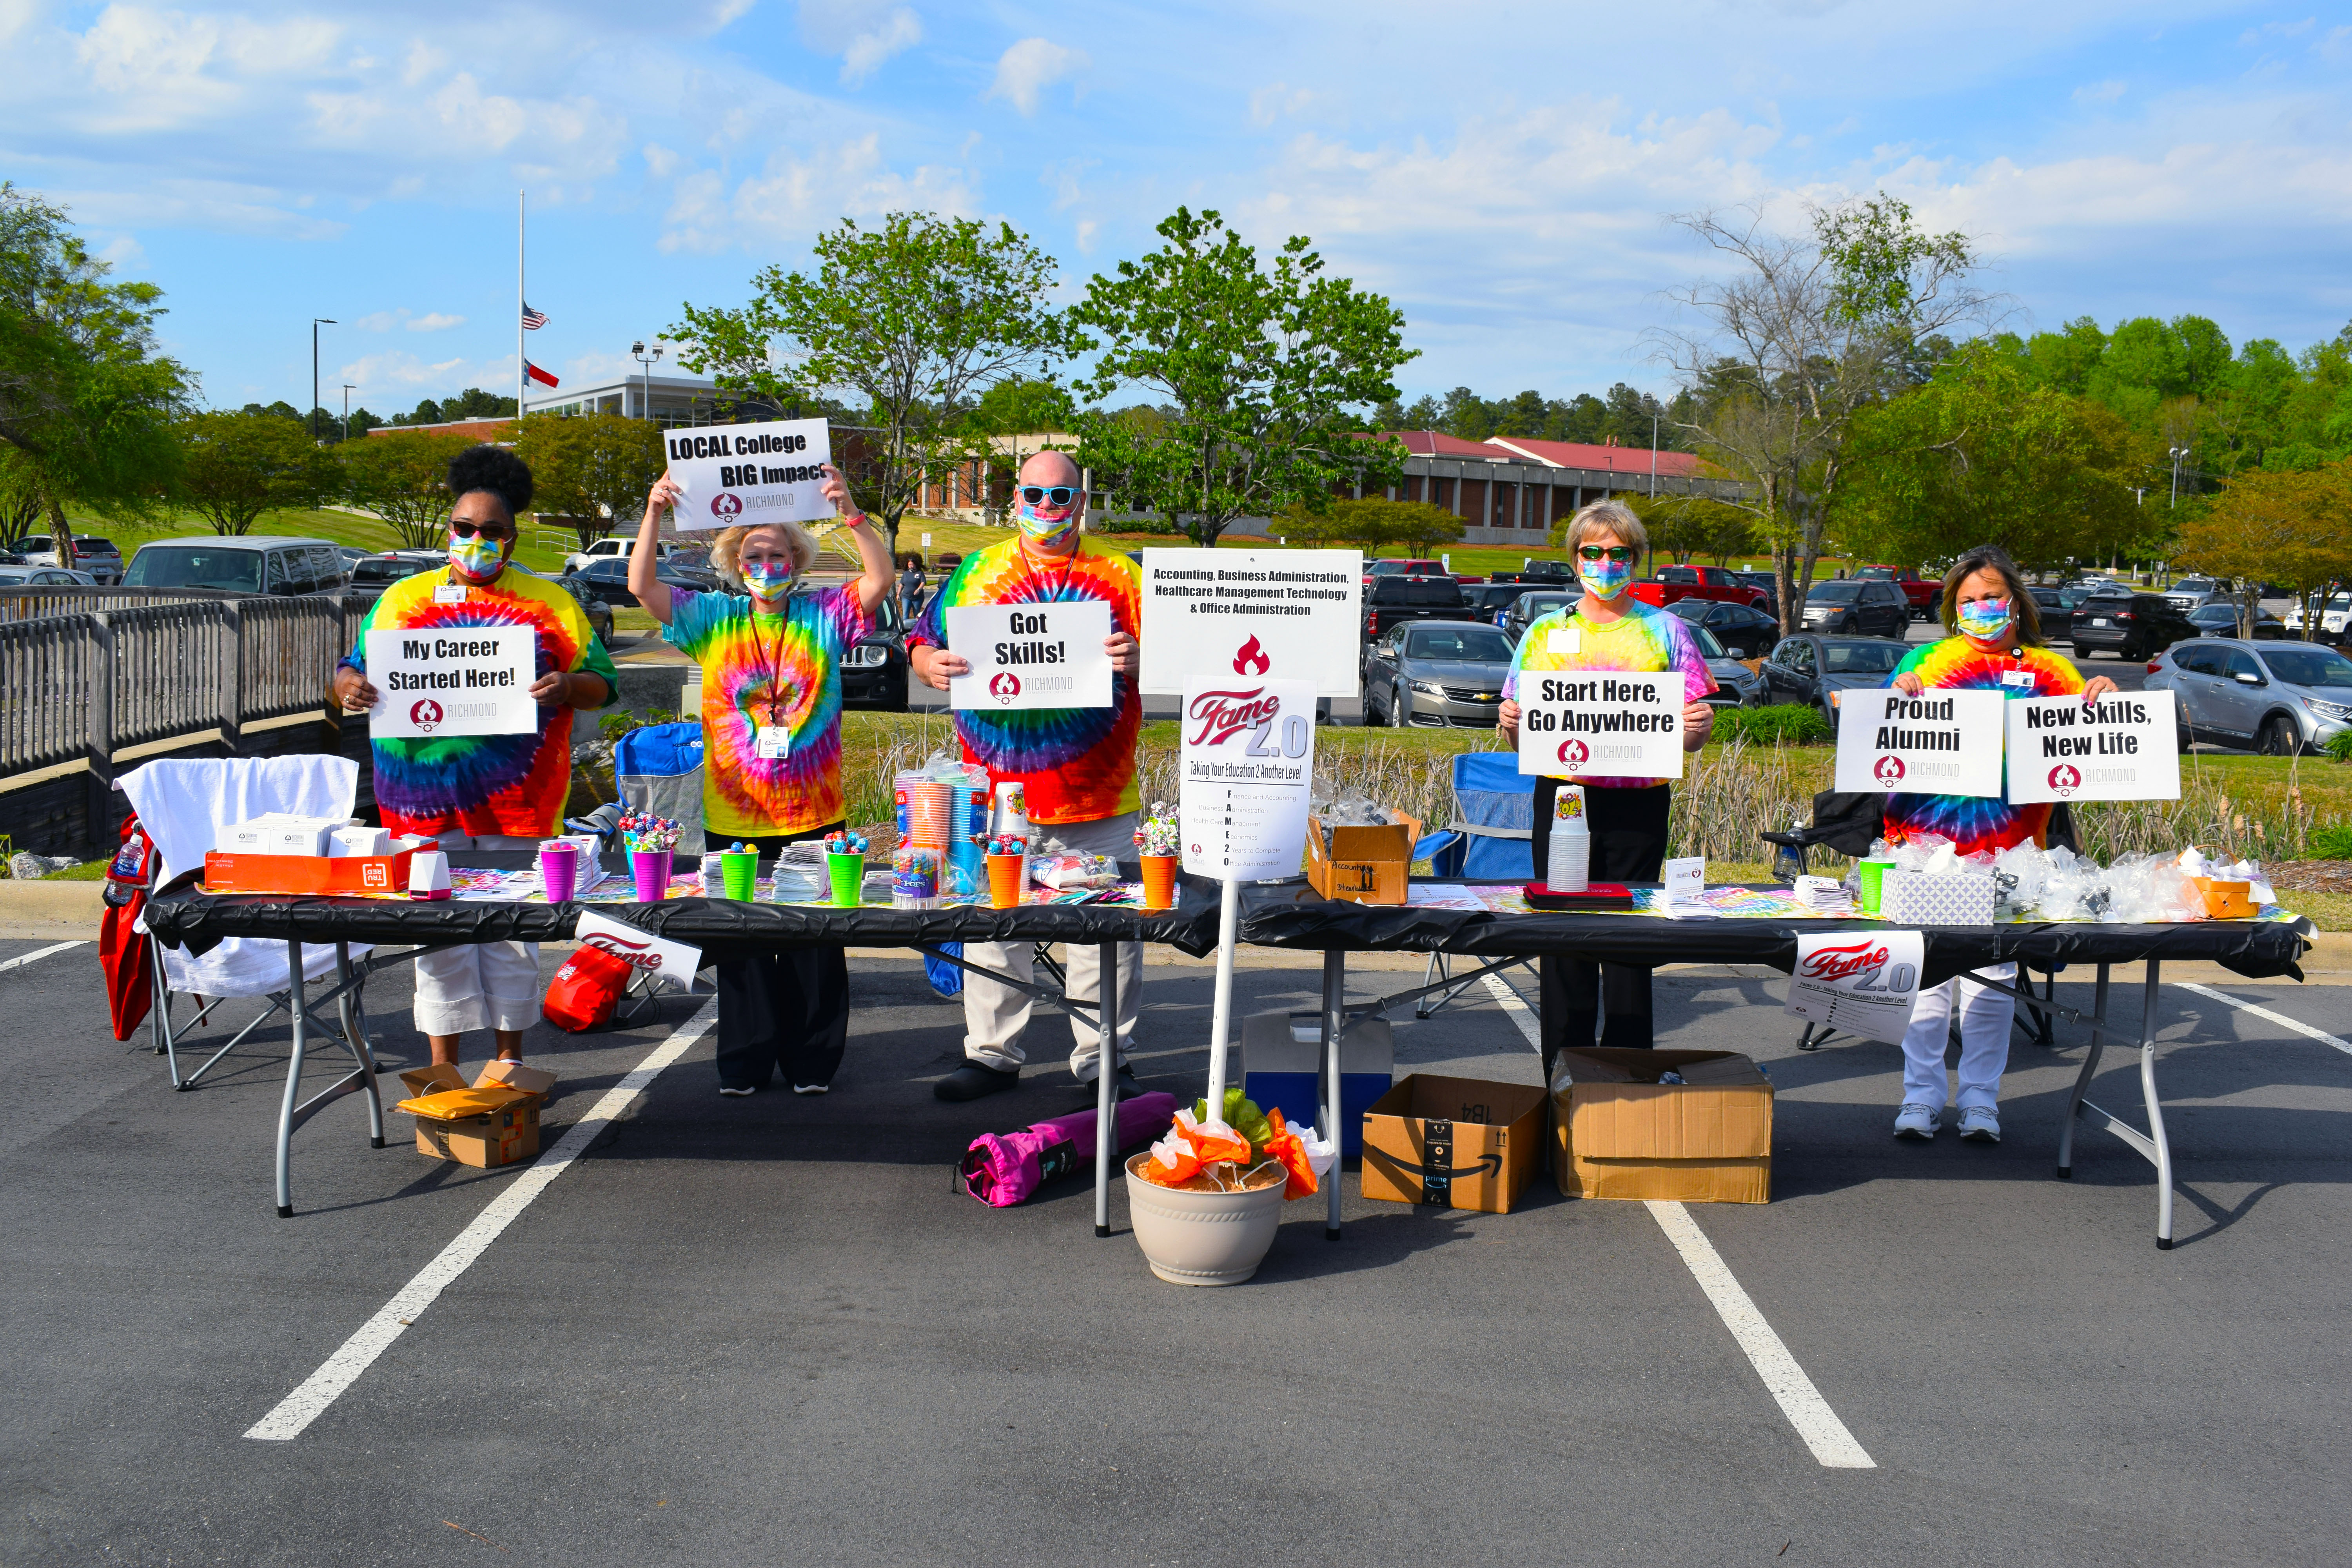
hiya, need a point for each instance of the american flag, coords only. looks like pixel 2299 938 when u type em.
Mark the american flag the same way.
pixel 532 320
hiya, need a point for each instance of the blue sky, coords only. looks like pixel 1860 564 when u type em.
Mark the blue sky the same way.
pixel 1500 170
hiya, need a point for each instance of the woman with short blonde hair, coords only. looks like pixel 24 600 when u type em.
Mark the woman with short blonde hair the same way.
pixel 727 550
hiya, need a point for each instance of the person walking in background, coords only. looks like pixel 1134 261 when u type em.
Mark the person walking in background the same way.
pixel 910 588
pixel 772 757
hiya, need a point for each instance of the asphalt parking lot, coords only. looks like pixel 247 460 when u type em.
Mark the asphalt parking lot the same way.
pixel 762 1331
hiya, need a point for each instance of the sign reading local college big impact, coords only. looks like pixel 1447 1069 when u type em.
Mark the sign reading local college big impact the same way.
pixel 1246 758
pixel 1031 656
pixel 452 680
pixel 1938 743
pixel 1601 724
pixel 1284 614
pixel 731 474
pixel 2121 747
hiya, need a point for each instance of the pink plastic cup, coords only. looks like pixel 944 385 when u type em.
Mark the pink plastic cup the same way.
pixel 651 868
pixel 559 870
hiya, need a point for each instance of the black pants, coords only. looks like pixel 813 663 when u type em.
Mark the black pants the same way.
pixel 1629 845
pixel 787 1009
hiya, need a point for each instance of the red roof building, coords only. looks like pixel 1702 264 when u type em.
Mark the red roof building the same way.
pixel 1512 489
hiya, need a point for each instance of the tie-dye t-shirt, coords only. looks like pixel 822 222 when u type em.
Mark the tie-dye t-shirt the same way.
pixel 1976 823
pixel 1644 639
pixel 1078 764
pixel 773 671
pixel 480 785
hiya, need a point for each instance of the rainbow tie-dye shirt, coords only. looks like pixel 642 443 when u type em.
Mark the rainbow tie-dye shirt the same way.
pixel 1078 764
pixel 1644 639
pixel 480 785
pixel 774 670
pixel 1976 823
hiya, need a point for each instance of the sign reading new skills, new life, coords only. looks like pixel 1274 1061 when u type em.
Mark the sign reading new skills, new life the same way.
pixel 750 474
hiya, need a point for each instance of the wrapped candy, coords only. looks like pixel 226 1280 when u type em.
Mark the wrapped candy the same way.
pixel 1172 1161
pixel 1158 832
pixel 1288 1147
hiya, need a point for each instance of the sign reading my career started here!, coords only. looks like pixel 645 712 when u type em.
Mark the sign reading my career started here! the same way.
pixel 1245 759
pixel 1938 743
pixel 750 474
pixel 1031 656
pixel 1286 615
pixel 1600 724
pixel 452 680
pixel 2122 747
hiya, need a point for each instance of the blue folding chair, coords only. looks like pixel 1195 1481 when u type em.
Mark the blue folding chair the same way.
pixel 1491 840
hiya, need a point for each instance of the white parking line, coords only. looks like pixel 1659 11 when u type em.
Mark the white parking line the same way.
pixel 2281 1019
pixel 1800 1400
pixel 343 1368
pixel 19 963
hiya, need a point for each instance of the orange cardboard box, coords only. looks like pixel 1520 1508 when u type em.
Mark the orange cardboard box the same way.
pixel 1365 865
pixel 506 1133
pixel 1618 1132
pixel 229 872
pixel 2226 901
pixel 1461 1143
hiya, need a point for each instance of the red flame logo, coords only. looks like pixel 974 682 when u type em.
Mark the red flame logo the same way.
pixel 426 714
pixel 1250 658
pixel 1574 752
pixel 1889 771
pixel 1004 686
pixel 2065 778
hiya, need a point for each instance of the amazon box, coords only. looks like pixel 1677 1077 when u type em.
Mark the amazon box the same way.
pixel 1618 1132
pixel 501 1134
pixel 1456 1142
pixel 1364 865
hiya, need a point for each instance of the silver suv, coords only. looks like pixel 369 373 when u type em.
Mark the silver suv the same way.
pixel 2278 698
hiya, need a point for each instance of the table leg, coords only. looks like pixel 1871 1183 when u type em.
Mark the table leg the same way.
pixel 1105 1079
pixel 293 1083
pixel 1335 1004
pixel 2156 1135
pixel 2082 1079
pixel 354 1022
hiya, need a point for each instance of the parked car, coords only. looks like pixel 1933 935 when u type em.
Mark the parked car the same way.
pixel 240 563
pixel 1554 574
pixel 1490 600
pixel 45 577
pixel 2130 625
pixel 2195 592
pixel 874 668
pixel 2222 621
pixel 92 554
pixel 600 614
pixel 392 565
pixel 1747 632
pixel 1923 594
pixel 1531 608
pixel 1806 669
pixel 1403 567
pixel 1394 599
pixel 1767 585
pixel 2281 698
pixel 1850 606
pixel 2335 613
pixel 606 581
pixel 1446 676
pixel 1736 685
pixel 615 548
pixel 1674 584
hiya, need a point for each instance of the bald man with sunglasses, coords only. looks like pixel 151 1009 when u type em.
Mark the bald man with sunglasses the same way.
pixel 1077 765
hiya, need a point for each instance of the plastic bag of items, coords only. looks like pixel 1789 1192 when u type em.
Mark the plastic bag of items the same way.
pixel 1349 811
pixel 1065 870
pixel 2193 863
pixel 2150 889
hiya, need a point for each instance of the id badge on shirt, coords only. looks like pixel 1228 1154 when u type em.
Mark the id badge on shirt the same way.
pixel 772 743
pixel 1564 640
pixel 2019 678
pixel 449 593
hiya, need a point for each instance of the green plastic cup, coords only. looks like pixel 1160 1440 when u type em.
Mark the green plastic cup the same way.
pixel 1874 880
pixel 742 870
pixel 848 872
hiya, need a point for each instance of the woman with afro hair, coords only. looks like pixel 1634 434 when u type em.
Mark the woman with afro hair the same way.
pixel 483 791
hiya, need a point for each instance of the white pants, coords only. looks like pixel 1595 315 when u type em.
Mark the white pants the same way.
pixel 994 1016
pixel 1984 1042
pixel 486 986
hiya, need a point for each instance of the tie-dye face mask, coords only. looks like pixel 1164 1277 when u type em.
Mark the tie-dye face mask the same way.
pixel 1044 524
pixel 1985 619
pixel 769 579
pixel 1604 579
pixel 478 557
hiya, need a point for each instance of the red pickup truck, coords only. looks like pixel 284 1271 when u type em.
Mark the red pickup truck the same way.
pixel 1677 582
pixel 1923 593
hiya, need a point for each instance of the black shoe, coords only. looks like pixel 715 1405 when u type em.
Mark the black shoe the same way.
pixel 1123 1086
pixel 974 1079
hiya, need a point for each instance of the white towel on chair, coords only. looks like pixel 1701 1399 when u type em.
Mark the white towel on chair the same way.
pixel 183 802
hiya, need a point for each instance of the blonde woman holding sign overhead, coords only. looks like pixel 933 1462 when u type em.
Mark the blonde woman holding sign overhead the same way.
pixel 1607 629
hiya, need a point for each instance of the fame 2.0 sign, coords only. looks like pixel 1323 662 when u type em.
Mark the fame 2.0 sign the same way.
pixel 1246 759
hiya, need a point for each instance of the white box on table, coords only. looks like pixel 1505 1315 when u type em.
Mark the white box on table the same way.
pixel 1940 898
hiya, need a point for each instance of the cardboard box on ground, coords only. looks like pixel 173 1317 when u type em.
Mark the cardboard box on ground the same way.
pixel 491 1122
pixel 1618 1132
pixel 1458 1143
pixel 1364 864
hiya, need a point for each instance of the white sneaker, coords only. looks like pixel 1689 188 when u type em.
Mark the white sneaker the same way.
pixel 734 1092
pixel 811 1088
pixel 1980 1124
pixel 1916 1121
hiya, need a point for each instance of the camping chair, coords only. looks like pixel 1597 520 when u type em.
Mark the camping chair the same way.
pixel 659 769
pixel 1849 824
pixel 1492 840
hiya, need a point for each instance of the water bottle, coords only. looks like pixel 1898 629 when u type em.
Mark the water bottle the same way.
pixel 1570 855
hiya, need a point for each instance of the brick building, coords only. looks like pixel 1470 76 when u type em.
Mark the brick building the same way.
pixel 1512 489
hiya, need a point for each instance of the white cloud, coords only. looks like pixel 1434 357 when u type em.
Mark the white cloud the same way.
pixel 435 322
pixel 864 32
pixel 793 197
pixel 386 320
pixel 2096 95
pixel 1031 65
pixel 901 30
pixel 1275 100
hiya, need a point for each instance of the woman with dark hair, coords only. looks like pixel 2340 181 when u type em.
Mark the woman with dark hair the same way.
pixel 1994 643
pixel 483 791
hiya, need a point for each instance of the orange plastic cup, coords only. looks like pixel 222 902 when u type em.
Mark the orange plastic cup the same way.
pixel 1005 881
pixel 1159 882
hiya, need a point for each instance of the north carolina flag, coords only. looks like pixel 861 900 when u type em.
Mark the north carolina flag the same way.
pixel 536 374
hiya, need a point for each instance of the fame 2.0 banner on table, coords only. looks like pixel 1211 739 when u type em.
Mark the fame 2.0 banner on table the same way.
pixel 1601 724
pixel 1938 743
pixel 1285 615
pixel 1864 985
pixel 1031 656
pixel 1245 759
pixel 657 958
pixel 750 474
pixel 2123 747
pixel 452 680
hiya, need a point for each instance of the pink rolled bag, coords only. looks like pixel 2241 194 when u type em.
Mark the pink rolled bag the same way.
pixel 1003 1169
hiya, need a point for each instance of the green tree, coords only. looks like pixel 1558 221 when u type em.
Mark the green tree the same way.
pixel 86 403
pixel 1263 367
pixel 920 317
pixel 2294 529
pixel 592 471
pixel 404 480
pixel 233 467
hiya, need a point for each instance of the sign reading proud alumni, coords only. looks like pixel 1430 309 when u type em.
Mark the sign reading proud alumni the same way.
pixel 730 474
pixel 2122 747
pixel 1598 723
pixel 1938 743
pixel 1287 615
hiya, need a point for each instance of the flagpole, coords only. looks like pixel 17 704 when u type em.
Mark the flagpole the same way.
pixel 522 374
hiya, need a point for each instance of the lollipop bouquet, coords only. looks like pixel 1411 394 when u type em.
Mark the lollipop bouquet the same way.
pixel 651 841
pixel 1158 832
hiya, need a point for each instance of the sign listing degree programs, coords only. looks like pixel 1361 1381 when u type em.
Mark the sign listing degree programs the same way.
pixel 750 474
pixel 452 680
pixel 1601 724
pixel 1942 742
pixel 2122 747
pixel 1031 656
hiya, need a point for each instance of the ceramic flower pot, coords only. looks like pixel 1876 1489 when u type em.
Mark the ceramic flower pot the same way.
pixel 1200 1238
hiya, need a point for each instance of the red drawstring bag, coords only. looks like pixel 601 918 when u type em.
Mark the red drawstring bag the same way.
pixel 585 990
pixel 123 949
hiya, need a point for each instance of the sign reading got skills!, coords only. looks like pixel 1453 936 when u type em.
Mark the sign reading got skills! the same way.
pixel 730 474
pixel 452 680
pixel 2121 747
pixel 1031 656
pixel 1938 743
pixel 1601 724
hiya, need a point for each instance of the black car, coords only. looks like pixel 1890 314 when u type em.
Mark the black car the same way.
pixel 382 571
pixel 873 668
pixel 1489 600
pixel 2222 621
pixel 1393 600
pixel 1806 669
pixel 1853 606
pixel 1744 633
pixel 1768 582
pixel 606 582
pixel 2130 625
pixel 1530 608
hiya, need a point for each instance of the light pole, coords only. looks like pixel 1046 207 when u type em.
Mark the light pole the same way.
pixel 637 352
pixel 347 411
pixel 2177 454
pixel 315 322
pixel 1653 457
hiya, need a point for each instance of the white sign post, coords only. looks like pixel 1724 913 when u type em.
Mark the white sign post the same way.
pixel 452 680
pixel 730 474
pixel 1938 743
pixel 1598 723
pixel 1283 615
pixel 2122 747
pixel 1031 656
pixel 1865 986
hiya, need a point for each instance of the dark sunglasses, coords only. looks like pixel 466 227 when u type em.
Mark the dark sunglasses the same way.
pixel 1060 495
pixel 1617 553
pixel 498 533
